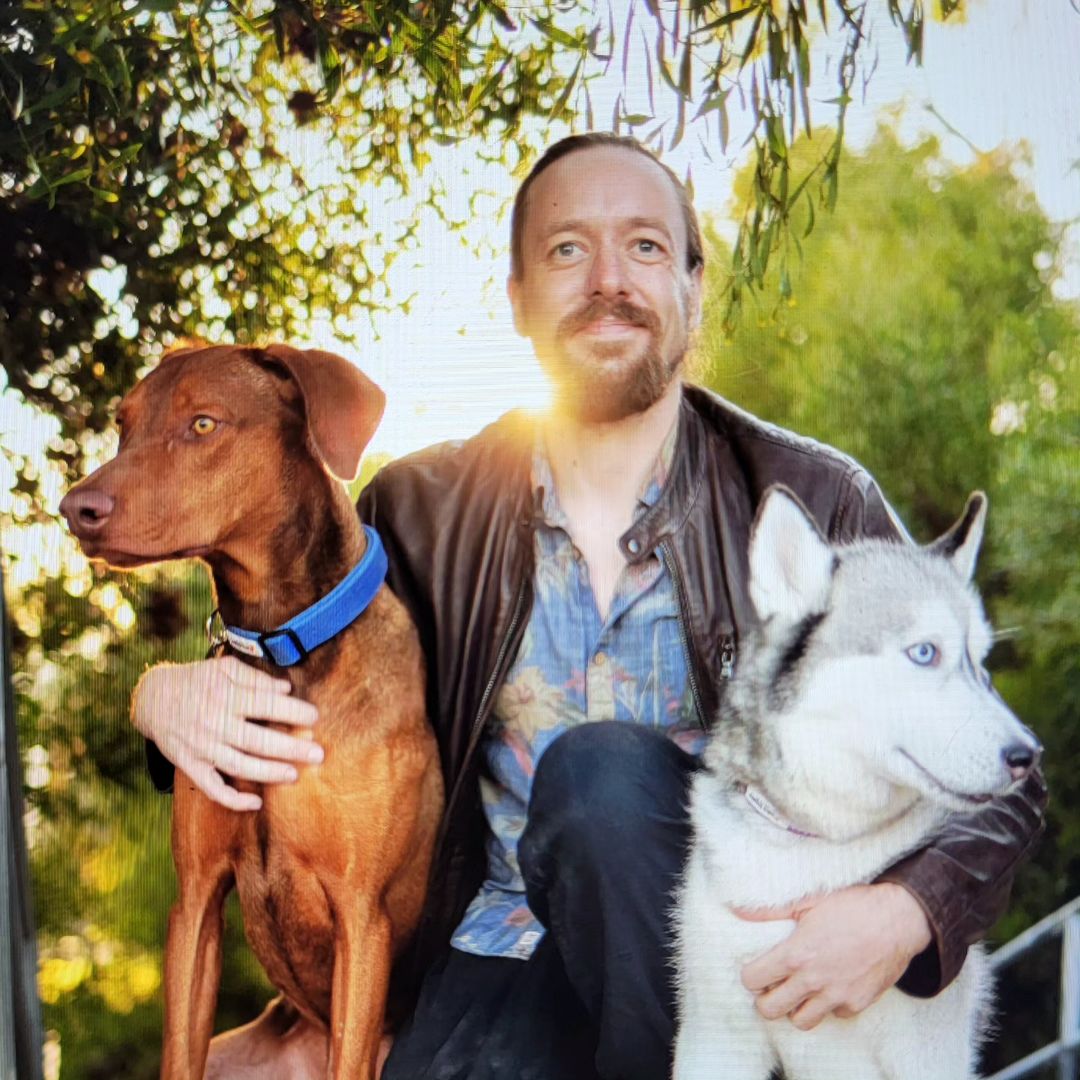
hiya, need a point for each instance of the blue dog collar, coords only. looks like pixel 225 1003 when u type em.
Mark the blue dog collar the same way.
pixel 325 619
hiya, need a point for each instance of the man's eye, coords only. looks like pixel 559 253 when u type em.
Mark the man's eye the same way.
pixel 648 247
pixel 566 248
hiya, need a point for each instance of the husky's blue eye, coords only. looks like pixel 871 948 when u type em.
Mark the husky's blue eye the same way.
pixel 925 654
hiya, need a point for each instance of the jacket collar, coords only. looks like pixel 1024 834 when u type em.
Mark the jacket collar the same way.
pixel 676 498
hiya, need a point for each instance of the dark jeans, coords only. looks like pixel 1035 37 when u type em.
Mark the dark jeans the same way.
pixel 605 842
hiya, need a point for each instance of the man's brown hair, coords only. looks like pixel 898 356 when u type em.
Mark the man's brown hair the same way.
pixel 695 252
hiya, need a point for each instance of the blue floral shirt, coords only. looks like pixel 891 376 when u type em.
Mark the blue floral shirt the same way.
pixel 573 667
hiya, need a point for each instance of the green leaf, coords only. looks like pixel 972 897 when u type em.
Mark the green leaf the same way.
pixel 551 31
pixel 686 87
pixel 129 153
pixel 726 20
pixel 501 16
pixel 242 21
pixel 774 132
pixel 751 41
pixel 564 97
pixel 61 94
pixel 75 177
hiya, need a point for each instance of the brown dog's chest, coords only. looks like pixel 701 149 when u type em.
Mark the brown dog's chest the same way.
pixel 287 917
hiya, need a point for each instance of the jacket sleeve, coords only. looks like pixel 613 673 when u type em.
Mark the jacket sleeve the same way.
pixel 161 769
pixel 963 879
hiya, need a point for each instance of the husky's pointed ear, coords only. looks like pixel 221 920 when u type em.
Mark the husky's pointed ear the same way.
pixel 960 545
pixel 791 563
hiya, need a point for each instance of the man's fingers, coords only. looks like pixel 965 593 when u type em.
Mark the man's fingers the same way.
pixel 206 778
pixel 775 966
pixel 265 742
pixel 261 703
pixel 790 911
pixel 783 999
pixel 811 1012
pixel 246 767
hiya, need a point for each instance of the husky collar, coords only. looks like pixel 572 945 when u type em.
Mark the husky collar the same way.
pixel 290 643
pixel 761 804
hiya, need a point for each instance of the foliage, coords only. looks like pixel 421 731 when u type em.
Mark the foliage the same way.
pixel 155 181
pixel 206 167
pixel 924 338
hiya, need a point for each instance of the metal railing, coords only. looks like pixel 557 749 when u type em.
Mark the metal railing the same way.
pixel 1065 1050
pixel 20 1012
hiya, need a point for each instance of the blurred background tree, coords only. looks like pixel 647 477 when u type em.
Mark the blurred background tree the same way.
pixel 158 180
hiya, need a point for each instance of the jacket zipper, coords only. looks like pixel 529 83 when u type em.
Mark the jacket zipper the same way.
pixel 727 643
pixel 727 656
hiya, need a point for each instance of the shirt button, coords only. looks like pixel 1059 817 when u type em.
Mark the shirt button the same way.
pixel 633 546
pixel 600 659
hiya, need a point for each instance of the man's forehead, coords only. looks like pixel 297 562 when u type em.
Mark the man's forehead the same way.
pixel 602 182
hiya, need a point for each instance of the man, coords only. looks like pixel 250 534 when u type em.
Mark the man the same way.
pixel 580 589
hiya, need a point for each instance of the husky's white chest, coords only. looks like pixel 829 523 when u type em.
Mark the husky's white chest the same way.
pixel 723 1037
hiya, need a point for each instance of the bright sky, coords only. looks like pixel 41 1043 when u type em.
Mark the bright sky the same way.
pixel 1011 72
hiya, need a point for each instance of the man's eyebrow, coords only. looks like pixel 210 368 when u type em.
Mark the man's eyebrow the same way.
pixel 581 225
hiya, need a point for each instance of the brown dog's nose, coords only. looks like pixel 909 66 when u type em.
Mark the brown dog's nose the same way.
pixel 86 511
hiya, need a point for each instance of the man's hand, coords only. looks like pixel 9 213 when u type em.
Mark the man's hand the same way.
pixel 200 715
pixel 847 949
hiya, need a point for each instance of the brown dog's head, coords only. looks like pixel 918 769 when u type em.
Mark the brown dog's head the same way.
pixel 213 441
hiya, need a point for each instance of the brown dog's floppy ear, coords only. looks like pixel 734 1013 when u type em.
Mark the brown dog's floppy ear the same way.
pixel 343 405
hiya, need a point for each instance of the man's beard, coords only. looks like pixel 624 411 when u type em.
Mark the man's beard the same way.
pixel 597 390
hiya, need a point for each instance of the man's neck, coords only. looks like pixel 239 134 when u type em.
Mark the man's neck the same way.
pixel 600 468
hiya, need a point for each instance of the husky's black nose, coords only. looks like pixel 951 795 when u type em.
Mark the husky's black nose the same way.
pixel 1019 758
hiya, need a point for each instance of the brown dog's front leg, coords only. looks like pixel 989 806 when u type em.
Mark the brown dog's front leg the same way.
pixel 192 974
pixel 363 954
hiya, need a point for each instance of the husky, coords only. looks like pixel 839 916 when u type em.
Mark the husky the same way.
pixel 859 719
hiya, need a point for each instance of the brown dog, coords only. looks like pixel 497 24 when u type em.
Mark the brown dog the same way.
pixel 224 456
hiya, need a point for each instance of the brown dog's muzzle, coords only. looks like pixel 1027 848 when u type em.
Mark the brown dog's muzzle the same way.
pixel 86 511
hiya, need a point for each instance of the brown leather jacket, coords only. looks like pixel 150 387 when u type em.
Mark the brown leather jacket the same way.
pixel 457 523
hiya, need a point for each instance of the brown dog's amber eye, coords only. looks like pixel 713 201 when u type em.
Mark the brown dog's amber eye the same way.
pixel 203 425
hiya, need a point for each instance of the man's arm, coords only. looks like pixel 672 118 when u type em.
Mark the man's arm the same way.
pixel 963 880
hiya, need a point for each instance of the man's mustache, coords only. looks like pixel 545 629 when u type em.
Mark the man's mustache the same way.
pixel 622 310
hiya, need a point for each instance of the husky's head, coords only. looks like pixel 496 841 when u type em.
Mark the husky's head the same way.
pixel 864 692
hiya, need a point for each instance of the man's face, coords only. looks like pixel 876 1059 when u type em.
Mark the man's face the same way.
pixel 603 292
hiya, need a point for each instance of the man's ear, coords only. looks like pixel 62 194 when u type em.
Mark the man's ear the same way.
pixel 696 301
pixel 513 291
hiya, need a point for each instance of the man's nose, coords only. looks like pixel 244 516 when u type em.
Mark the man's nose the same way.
pixel 608 272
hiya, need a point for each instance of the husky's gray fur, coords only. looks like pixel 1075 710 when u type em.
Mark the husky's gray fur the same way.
pixel 861 713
